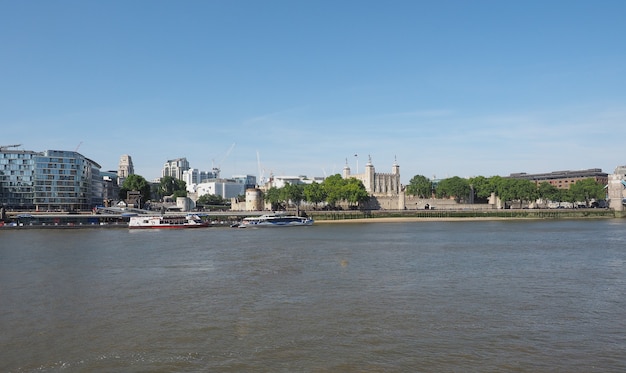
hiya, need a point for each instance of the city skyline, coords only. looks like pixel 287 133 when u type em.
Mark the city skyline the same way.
pixel 447 89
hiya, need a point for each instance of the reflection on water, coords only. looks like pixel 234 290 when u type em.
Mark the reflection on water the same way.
pixel 425 296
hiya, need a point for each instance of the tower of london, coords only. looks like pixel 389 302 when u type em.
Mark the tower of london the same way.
pixel 385 189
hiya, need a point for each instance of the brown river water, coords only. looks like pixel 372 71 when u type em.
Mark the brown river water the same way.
pixel 496 296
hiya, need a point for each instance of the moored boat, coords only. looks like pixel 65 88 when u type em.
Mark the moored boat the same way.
pixel 163 222
pixel 276 220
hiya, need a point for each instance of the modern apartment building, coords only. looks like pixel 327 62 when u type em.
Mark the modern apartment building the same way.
pixel 175 168
pixel 195 176
pixel 53 180
pixel 224 188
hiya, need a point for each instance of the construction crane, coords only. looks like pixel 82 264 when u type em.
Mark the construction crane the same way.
pixel 4 147
pixel 216 170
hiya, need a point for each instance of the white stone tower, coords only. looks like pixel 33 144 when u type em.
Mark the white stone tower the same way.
pixel 369 179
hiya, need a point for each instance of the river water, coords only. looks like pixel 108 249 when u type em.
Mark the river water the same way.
pixel 498 296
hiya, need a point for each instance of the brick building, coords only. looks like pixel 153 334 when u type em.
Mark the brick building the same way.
pixel 563 179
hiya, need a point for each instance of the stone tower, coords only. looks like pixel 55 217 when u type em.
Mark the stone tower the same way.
pixel 370 172
pixel 617 189
pixel 125 168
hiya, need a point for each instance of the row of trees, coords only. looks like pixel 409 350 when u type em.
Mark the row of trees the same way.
pixel 332 190
pixel 168 186
pixel 507 189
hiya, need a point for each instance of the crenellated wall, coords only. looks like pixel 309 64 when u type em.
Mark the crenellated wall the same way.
pixel 378 184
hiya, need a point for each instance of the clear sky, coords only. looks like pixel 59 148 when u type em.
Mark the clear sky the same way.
pixel 448 88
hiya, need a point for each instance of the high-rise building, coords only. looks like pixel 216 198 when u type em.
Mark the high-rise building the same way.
pixel 52 180
pixel 175 168
pixel 66 180
pixel 191 176
pixel 124 168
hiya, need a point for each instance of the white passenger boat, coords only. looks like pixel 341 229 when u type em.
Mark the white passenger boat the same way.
pixel 276 220
pixel 164 222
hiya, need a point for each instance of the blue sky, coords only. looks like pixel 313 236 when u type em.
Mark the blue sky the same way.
pixel 448 88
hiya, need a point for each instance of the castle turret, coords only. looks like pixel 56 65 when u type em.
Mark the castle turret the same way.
pixel 254 199
pixel 395 169
pixel 369 176
pixel 346 170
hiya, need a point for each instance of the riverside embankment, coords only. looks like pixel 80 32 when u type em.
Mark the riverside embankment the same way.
pixel 226 218
pixel 443 215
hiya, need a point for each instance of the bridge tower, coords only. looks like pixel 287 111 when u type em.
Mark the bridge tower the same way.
pixel 616 187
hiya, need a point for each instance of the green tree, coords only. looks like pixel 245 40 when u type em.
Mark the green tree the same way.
pixel 179 193
pixel 516 190
pixel 293 193
pixel 505 189
pixel 333 188
pixel 482 187
pixel 548 192
pixel 586 190
pixel 211 199
pixel 135 183
pixel 337 189
pixel 454 187
pixel 420 186
pixel 314 193
pixel 526 190
pixel 567 195
pixel 273 196
pixel 354 192
pixel 494 185
pixel 172 186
